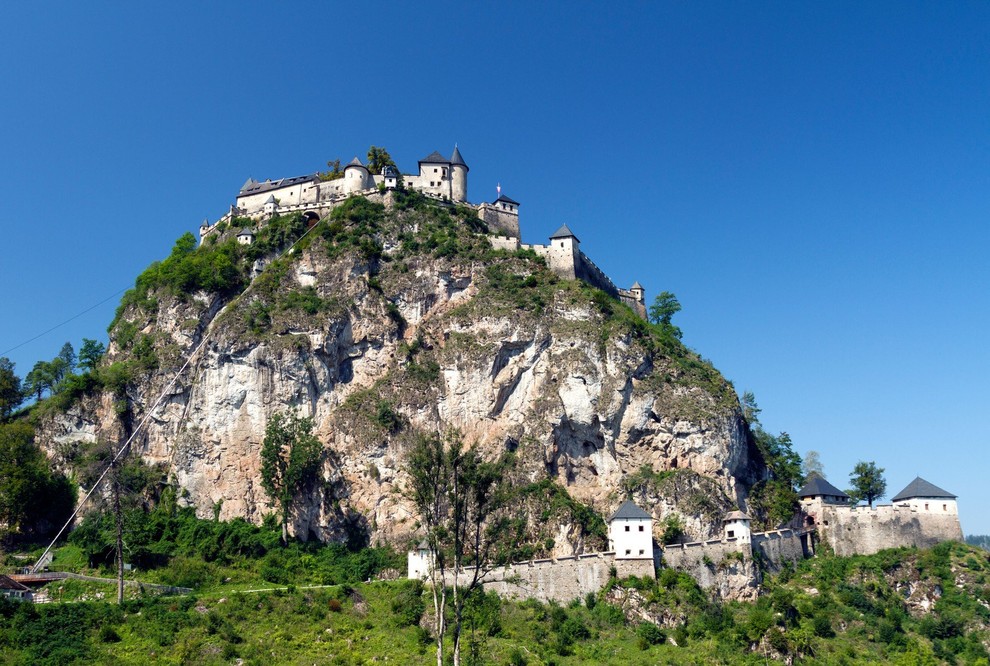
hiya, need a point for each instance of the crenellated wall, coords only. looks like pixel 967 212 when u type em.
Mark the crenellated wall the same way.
pixel 774 549
pixel 561 579
pixel 863 531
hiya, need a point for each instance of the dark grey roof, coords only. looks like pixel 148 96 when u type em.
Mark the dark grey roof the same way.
pixel 456 158
pixel 8 583
pixel 921 488
pixel 271 199
pixel 391 171
pixel 817 485
pixel 564 232
pixel 254 187
pixel 505 199
pixel 629 511
pixel 434 158
pixel 636 285
pixel 735 515
pixel 245 232
pixel 355 162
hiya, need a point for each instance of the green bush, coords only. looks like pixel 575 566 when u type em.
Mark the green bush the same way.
pixel 649 634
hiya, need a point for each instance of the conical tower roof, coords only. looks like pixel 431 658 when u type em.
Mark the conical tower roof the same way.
pixel 355 162
pixel 456 158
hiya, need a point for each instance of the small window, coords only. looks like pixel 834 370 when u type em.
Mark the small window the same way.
pixel 926 506
pixel 434 171
pixel 561 243
pixel 627 528
pixel 628 552
pixel 731 533
pixel 945 507
pixel 640 528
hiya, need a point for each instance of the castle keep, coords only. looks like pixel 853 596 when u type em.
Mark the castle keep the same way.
pixel 438 177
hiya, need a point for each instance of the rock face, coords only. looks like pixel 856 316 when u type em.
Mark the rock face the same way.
pixel 404 340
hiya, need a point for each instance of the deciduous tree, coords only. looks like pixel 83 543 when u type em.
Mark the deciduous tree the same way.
pixel 664 307
pixel 32 497
pixel 378 159
pixel 812 464
pixel 10 388
pixel 290 461
pixel 868 482
pixel 461 500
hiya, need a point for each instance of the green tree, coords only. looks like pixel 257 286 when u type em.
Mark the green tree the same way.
pixel 462 501
pixel 773 499
pixel 378 159
pixel 40 379
pixel 10 388
pixel 90 354
pixel 751 411
pixel 67 356
pixel 664 307
pixel 290 461
pixel 33 499
pixel 335 172
pixel 868 482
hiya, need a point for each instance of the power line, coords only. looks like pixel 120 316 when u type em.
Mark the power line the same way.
pixel 123 449
pixel 44 333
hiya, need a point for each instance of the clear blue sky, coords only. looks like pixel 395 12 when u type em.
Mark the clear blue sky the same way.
pixel 812 181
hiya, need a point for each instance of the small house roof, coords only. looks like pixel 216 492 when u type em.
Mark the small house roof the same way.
pixel 390 170
pixel 636 285
pixel 921 488
pixel 245 232
pixel 456 158
pixel 735 515
pixel 564 232
pixel 8 583
pixel 505 199
pixel 629 511
pixel 817 485
pixel 434 158
pixel 271 199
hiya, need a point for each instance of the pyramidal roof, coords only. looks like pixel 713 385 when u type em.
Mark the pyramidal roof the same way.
pixel 629 511
pixel 271 199
pixel 506 199
pixel 355 162
pixel 434 158
pixel 456 158
pixel 817 485
pixel 736 515
pixel 636 285
pixel 921 488
pixel 564 232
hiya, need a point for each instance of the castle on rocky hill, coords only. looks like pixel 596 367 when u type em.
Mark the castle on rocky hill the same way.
pixel 921 516
pixel 440 178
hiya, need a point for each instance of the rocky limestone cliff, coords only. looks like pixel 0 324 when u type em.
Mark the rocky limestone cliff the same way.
pixel 394 319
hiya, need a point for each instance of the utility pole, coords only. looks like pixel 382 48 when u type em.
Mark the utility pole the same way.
pixel 120 531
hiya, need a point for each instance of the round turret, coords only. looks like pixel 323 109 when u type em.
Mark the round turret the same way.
pixel 356 176
pixel 458 176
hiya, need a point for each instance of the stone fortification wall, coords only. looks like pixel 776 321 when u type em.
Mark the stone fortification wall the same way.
pixel 499 222
pixel 722 565
pixel 863 531
pixel 774 549
pixel 586 270
pixel 505 243
pixel 561 579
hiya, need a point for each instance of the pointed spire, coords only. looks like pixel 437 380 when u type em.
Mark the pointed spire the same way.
pixel 456 158
pixel 564 232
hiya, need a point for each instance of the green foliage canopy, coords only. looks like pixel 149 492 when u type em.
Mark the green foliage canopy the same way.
pixel 290 461
pixel 868 482
pixel 33 498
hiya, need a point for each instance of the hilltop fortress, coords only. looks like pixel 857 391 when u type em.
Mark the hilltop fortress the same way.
pixel 440 178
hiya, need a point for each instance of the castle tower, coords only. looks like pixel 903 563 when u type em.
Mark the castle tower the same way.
pixel 637 291
pixel 435 175
pixel 630 533
pixel 391 175
pixel 925 497
pixel 458 176
pixel 736 526
pixel 419 562
pixel 356 176
pixel 271 206
pixel 564 252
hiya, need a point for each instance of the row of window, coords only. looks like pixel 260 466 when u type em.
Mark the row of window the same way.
pixel 641 528
pixel 629 552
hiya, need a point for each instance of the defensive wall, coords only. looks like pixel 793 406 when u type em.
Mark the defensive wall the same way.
pixel 864 531
pixel 776 548
pixel 560 579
